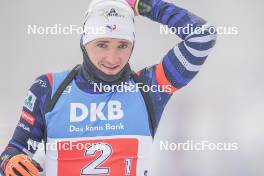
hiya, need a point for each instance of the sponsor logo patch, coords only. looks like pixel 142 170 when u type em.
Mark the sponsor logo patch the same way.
pixel 28 118
pixel 79 112
pixel 30 101
pixel 24 127
pixel 111 13
pixel 41 83
pixel 67 90
pixel 111 27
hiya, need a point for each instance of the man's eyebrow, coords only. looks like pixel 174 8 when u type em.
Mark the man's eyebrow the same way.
pixel 123 42
pixel 102 41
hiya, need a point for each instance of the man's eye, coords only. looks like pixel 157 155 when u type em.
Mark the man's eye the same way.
pixel 101 45
pixel 123 46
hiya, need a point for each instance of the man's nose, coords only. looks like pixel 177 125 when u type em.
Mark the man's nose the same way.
pixel 113 57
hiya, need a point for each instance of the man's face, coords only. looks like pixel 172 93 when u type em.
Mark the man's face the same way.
pixel 109 55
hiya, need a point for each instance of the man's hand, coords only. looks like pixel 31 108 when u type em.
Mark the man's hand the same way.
pixel 142 7
pixel 22 165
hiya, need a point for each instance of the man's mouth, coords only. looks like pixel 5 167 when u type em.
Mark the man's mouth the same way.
pixel 112 67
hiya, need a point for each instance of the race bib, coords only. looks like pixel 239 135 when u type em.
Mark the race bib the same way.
pixel 98 157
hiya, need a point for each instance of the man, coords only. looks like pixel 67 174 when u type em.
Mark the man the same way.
pixel 106 132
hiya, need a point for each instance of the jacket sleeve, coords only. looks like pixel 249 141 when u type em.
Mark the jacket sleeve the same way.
pixel 30 128
pixel 180 64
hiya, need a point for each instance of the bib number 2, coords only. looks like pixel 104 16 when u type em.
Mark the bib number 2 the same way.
pixel 94 167
pixel 104 157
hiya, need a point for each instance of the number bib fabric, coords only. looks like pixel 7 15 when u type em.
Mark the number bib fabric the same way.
pixel 97 134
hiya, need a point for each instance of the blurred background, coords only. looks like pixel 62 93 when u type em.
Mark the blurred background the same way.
pixel 224 103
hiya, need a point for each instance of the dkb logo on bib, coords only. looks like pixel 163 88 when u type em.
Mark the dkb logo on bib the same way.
pixel 79 112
